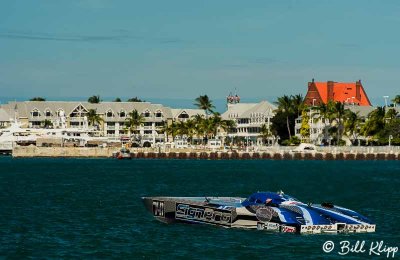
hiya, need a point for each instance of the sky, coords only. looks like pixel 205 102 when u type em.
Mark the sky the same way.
pixel 171 50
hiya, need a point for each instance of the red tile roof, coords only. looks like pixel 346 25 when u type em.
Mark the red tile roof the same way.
pixel 345 92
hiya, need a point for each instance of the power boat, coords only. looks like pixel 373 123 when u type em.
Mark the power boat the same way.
pixel 270 211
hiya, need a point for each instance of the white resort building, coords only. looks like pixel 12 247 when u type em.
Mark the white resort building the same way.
pixel 61 114
pixel 319 126
pixel 249 118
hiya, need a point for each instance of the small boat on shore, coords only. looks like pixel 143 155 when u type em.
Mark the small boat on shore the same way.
pixel 268 211
pixel 124 153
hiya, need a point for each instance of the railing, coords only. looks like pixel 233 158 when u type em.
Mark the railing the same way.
pixel 337 149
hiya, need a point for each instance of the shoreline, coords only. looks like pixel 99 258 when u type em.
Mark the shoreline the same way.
pixel 84 152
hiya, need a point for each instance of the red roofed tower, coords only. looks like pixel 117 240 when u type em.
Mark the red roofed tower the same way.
pixel 345 92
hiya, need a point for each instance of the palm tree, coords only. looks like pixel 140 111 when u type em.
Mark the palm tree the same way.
pixel 265 133
pixel 181 129
pixel 93 118
pixel 169 130
pixel 339 112
pixel 352 124
pixel 190 126
pixel 375 122
pixel 286 107
pixel 391 113
pixel 198 121
pixel 47 123
pixel 134 120
pixel 396 100
pixel 94 99
pixel 203 102
pixel 298 104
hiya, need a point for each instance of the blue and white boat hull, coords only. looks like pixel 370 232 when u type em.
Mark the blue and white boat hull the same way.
pixel 262 210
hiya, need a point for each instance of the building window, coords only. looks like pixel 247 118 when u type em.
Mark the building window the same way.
pixel 122 114
pixel 183 115
pixel 146 113
pixel 158 114
pixel 75 124
pixel 48 113
pixel 110 114
pixel 35 113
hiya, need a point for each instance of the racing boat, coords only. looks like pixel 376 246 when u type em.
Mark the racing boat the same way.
pixel 271 211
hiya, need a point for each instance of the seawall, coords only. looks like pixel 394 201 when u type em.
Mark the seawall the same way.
pixel 32 151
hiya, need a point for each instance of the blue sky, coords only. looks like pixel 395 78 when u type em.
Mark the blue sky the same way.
pixel 181 49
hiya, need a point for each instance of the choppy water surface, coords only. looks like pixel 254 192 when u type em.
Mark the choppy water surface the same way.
pixel 70 208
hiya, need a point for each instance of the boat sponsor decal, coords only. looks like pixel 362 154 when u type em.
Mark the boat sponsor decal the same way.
pixel 264 214
pixel 288 229
pixel 202 214
pixel 260 226
pixel 158 208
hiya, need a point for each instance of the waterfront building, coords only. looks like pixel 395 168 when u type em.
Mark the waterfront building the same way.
pixel 71 114
pixel 346 92
pixel 5 118
pixel 249 118
pixel 319 125
pixel 183 115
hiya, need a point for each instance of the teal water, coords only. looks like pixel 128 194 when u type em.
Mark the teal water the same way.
pixel 91 208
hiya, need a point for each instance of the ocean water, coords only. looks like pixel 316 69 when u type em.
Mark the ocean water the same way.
pixel 91 208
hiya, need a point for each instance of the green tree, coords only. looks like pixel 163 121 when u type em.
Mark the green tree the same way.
pixel 93 118
pixel 47 123
pixel 94 99
pixel 265 133
pixel 203 102
pixel 181 129
pixel 298 104
pixel 391 114
pixel 135 99
pixel 198 121
pixel 375 122
pixel 339 113
pixel 352 125
pixel 37 99
pixel 305 126
pixel 169 129
pixel 396 100
pixel 285 106
pixel 133 121
pixel 117 100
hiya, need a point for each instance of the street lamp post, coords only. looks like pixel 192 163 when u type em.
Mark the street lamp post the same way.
pixel 386 98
